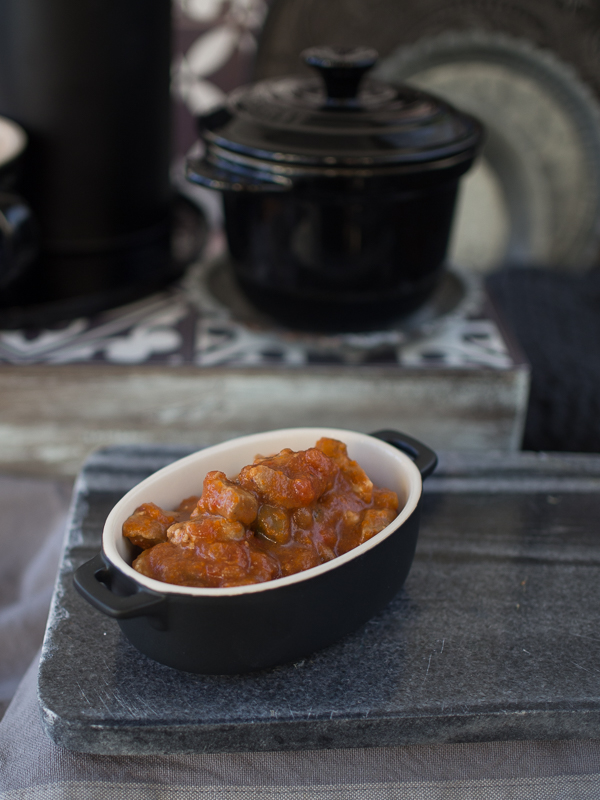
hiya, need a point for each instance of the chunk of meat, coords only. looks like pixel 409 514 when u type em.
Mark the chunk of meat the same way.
pixel 241 568
pixel 299 557
pixel 208 528
pixel 226 498
pixel 357 477
pixel 276 488
pixel 210 565
pixel 147 526
pixel 289 479
pixel 227 561
pixel 385 498
pixel 374 521
pixel 283 514
pixel 351 519
pixel 172 564
pixel 186 507
pixel 264 566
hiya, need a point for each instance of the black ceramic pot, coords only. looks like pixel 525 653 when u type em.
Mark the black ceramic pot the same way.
pixel 239 629
pixel 338 192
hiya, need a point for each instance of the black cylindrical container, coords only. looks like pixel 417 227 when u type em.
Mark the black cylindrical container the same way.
pixel 89 82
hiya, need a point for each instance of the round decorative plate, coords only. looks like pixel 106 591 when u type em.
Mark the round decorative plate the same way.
pixel 530 69
pixel 534 197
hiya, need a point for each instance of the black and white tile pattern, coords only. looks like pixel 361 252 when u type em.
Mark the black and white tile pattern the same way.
pixel 189 325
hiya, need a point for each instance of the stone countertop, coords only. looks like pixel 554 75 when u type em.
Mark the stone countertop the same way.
pixel 493 638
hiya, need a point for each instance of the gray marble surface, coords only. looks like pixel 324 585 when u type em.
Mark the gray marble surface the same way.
pixel 494 637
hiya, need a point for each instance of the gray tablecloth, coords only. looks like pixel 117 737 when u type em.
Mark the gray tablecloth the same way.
pixel 32 516
pixel 32 520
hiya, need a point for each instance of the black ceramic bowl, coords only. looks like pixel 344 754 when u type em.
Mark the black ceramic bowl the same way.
pixel 238 629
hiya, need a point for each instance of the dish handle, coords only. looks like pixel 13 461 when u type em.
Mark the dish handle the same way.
pixel 92 580
pixel 425 459
pixel 225 179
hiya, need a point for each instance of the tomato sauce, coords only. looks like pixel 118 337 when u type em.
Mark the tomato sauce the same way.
pixel 282 514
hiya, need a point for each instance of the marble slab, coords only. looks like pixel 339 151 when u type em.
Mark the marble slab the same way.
pixel 495 636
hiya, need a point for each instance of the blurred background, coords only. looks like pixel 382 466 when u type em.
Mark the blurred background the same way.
pixel 528 218
pixel 119 321
pixel 124 273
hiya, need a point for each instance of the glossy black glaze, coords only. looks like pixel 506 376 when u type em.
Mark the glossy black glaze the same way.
pixel 263 628
pixel 341 69
pixel 292 127
pixel 425 459
pixel 349 259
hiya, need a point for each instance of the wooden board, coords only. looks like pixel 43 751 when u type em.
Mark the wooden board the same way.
pixel 53 416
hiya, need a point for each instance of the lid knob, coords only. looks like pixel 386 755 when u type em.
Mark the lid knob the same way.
pixel 341 68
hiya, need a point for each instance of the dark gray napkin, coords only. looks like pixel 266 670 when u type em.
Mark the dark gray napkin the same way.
pixel 33 768
pixel 32 519
pixel 556 320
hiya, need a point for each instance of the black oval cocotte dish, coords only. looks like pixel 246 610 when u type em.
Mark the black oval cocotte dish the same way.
pixel 238 629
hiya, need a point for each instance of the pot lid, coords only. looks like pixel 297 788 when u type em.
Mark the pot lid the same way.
pixel 339 119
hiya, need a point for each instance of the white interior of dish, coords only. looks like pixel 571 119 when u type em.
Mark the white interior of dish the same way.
pixel 384 464
pixel 12 140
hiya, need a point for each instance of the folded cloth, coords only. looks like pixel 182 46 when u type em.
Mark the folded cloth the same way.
pixel 33 768
pixel 556 320
pixel 33 513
